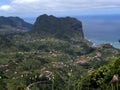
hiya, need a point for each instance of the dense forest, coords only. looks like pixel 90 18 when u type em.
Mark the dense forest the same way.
pixel 53 54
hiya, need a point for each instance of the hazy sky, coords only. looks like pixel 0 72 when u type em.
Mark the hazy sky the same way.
pixel 31 8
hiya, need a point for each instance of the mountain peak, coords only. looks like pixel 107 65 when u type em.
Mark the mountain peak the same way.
pixel 66 27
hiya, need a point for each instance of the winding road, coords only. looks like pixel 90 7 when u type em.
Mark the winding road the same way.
pixel 28 87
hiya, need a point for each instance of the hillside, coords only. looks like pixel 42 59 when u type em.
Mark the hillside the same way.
pixel 10 25
pixel 54 54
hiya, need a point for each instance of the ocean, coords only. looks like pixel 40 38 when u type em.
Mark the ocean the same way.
pixel 98 28
pixel 102 29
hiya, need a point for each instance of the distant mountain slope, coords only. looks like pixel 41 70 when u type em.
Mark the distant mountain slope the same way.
pixel 58 27
pixel 15 22
pixel 10 25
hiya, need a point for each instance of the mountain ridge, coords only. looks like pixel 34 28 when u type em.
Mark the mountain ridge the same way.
pixel 10 25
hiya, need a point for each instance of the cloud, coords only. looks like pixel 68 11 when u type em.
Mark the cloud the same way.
pixel 5 7
pixel 24 1
pixel 59 7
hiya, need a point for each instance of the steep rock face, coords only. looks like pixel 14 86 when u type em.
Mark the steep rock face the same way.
pixel 58 27
pixel 14 22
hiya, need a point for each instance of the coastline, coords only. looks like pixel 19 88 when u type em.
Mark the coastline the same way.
pixel 98 42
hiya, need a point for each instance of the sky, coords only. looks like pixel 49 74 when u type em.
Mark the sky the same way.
pixel 32 8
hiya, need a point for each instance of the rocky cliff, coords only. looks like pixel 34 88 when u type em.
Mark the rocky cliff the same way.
pixel 66 28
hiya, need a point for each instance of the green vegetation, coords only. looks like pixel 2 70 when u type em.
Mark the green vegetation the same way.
pixel 13 25
pixel 101 79
pixel 37 61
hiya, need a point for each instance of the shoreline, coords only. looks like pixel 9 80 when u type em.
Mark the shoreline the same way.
pixel 98 42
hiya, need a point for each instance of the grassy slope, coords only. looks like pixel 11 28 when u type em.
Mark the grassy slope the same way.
pixel 25 61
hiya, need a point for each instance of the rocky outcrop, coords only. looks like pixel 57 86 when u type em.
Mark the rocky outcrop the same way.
pixel 58 27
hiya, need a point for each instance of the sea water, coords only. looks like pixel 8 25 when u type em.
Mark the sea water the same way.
pixel 102 29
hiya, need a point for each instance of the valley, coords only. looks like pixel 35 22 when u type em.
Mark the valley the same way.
pixel 53 54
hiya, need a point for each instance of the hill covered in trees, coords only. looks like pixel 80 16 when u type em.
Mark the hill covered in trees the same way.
pixel 10 25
